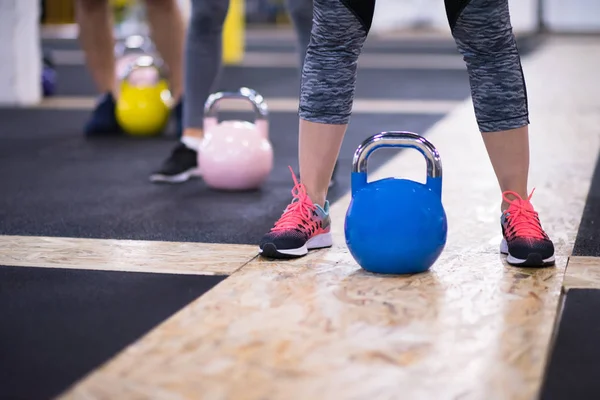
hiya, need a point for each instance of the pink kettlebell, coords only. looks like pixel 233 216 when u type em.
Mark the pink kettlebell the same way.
pixel 235 155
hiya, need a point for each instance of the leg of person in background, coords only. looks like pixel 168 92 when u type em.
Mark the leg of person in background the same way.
pixel 168 31
pixel 203 58
pixel 203 61
pixel 483 34
pixel 301 14
pixel 326 97
pixel 95 21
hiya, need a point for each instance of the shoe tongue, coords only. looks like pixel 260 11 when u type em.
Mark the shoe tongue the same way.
pixel 522 204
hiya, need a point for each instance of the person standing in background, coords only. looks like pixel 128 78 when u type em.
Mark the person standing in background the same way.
pixel 95 21
pixel 203 63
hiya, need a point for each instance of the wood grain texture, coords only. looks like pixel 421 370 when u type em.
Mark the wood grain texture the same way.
pixel 322 328
pixel 124 255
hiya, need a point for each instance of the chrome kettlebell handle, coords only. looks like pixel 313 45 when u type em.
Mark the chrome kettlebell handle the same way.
pixel 144 61
pixel 259 105
pixel 134 43
pixel 397 139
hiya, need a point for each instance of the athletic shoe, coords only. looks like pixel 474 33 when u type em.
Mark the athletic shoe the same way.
pixel 303 226
pixel 181 165
pixel 525 242
pixel 103 120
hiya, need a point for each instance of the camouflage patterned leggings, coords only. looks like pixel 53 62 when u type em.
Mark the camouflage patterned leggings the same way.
pixel 483 34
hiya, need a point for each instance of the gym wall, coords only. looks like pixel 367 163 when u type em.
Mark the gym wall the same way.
pixel 527 15
pixel 21 65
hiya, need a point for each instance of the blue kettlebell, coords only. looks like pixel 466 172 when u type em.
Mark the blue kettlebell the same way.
pixel 396 226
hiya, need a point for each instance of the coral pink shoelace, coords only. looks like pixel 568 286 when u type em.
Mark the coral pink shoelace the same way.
pixel 299 211
pixel 522 218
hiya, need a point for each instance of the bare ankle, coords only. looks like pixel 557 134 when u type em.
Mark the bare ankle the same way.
pixel 192 138
pixel 193 132
pixel 317 198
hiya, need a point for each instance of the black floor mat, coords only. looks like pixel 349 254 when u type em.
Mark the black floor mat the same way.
pixel 55 183
pixel 285 82
pixel 574 367
pixel 587 242
pixel 57 325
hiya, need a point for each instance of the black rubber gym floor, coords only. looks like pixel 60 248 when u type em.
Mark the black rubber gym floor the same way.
pixel 57 325
pixel 588 235
pixel 56 183
pixel 574 367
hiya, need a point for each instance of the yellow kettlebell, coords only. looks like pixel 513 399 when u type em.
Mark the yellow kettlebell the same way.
pixel 144 101
pixel 121 3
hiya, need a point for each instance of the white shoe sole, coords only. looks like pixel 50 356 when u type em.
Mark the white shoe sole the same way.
pixel 533 260
pixel 179 178
pixel 318 242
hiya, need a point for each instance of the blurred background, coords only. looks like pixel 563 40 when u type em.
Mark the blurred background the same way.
pixel 390 15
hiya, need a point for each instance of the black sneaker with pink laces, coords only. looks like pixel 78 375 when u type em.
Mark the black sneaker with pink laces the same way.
pixel 303 226
pixel 525 243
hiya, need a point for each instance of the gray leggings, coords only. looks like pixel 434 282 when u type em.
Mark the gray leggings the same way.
pixel 203 50
pixel 483 34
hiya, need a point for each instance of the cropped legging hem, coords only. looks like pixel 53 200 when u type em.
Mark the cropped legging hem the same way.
pixel 320 117
pixel 504 124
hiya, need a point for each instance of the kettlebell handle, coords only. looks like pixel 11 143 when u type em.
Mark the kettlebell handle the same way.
pixel 134 43
pixel 401 139
pixel 144 61
pixel 259 105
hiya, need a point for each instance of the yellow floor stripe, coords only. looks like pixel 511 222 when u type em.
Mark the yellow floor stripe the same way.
pixel 124 255
pixel 320 327
pixel 582 273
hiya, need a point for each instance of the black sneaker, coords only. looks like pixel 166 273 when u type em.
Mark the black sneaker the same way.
pixel 181 165
pixel 525 243
pixel 302 227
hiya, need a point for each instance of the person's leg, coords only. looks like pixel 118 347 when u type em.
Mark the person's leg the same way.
pixel 168 30
pixel 327 93
pixel 483 34
pixel 203 60
pixel 301 14
pixel 94 18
